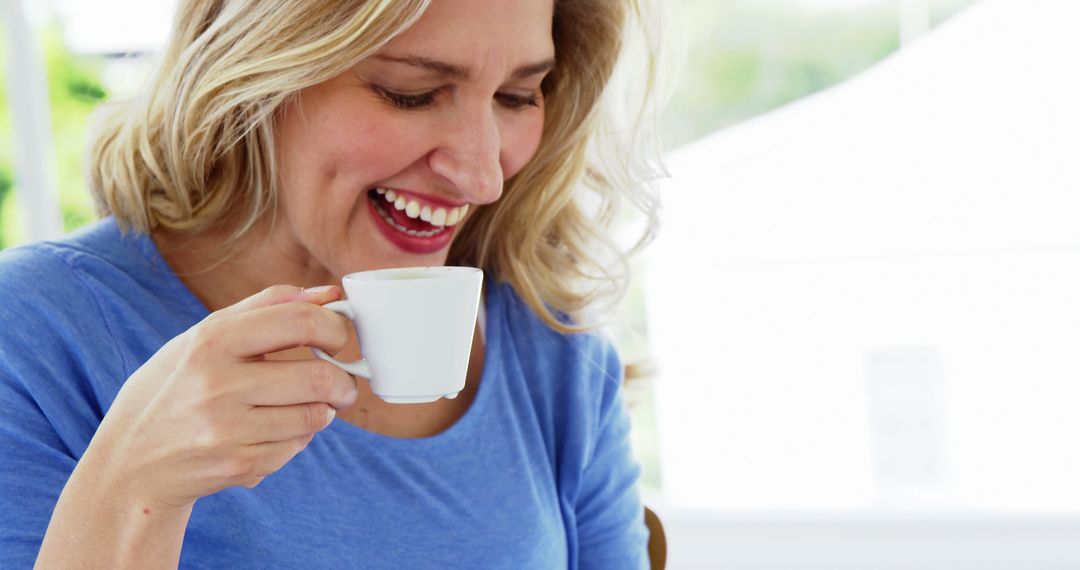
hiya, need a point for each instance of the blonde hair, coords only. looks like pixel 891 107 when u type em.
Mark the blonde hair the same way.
pixel 196 149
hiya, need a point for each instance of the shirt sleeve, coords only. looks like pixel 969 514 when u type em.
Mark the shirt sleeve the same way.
pixel 34 467
pixel 47 410
pixel 609 512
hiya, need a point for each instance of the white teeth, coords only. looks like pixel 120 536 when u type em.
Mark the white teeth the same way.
pixel 438 217
pixel 386 217
pixel 415 233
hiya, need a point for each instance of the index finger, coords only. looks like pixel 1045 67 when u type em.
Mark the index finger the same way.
pixel 262 331
pixel 277 294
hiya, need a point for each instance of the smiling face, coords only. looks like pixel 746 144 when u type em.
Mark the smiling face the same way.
pixel 379 165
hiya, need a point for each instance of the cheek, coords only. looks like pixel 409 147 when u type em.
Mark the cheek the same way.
pixel 521 145
pixel 340 138
pixel 332 161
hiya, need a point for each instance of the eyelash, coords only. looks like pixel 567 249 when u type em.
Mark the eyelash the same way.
pixel 408 102
pixel 404 101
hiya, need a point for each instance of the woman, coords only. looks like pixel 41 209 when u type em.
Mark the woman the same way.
pixel 155 368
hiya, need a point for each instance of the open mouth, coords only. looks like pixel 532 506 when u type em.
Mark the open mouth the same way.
pixel 412 225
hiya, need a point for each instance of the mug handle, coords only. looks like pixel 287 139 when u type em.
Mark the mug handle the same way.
pixel 357 367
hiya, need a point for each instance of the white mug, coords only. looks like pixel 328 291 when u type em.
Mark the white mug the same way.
pixel 415 326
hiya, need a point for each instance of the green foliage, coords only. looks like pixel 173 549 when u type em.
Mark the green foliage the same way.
pixel 7 179
pixel 6 183
pixel 747 57
pixel 85 90
pixel 75 88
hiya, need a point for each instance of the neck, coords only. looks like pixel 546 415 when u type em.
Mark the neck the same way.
pixel 222 276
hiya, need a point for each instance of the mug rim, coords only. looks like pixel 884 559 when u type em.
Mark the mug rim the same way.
pixel 430 272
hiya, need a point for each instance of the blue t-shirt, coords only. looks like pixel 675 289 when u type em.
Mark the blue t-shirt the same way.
pixel 537 474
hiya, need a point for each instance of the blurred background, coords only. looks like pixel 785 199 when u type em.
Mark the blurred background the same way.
pixel 860 313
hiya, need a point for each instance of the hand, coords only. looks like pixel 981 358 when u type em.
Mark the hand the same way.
pixel 208 411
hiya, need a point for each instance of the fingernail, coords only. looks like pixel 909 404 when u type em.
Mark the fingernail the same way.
pixel 316 290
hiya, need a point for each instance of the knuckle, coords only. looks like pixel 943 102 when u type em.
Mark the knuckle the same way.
pixel 317 386
pixel 208 438
pixel 280 290
pixel 204 384
pixel 214 316
pixel 204 444
pixel 302 318
pixel 238 468
pixel 203 342
pixel 321 379
pixel 209 388
pixel 315 417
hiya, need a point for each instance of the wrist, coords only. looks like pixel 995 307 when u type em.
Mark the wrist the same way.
pixel 124 486
pixel 101 520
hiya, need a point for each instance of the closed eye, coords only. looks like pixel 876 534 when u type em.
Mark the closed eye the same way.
pixel 421 100
pixel 517 101
pixel 406 100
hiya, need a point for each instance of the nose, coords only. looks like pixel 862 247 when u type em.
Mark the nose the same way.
pixel 468 155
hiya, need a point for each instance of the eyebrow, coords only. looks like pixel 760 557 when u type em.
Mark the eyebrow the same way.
pixel 460 73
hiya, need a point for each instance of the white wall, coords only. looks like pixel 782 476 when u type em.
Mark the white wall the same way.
pixel 866 303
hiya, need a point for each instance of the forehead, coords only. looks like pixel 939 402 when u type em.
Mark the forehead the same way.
pixel 474 31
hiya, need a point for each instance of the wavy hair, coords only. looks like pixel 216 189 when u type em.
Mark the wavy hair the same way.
pixel 195 149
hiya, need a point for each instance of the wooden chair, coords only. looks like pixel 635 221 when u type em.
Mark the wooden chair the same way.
pixel 638 372
pixel 657 541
